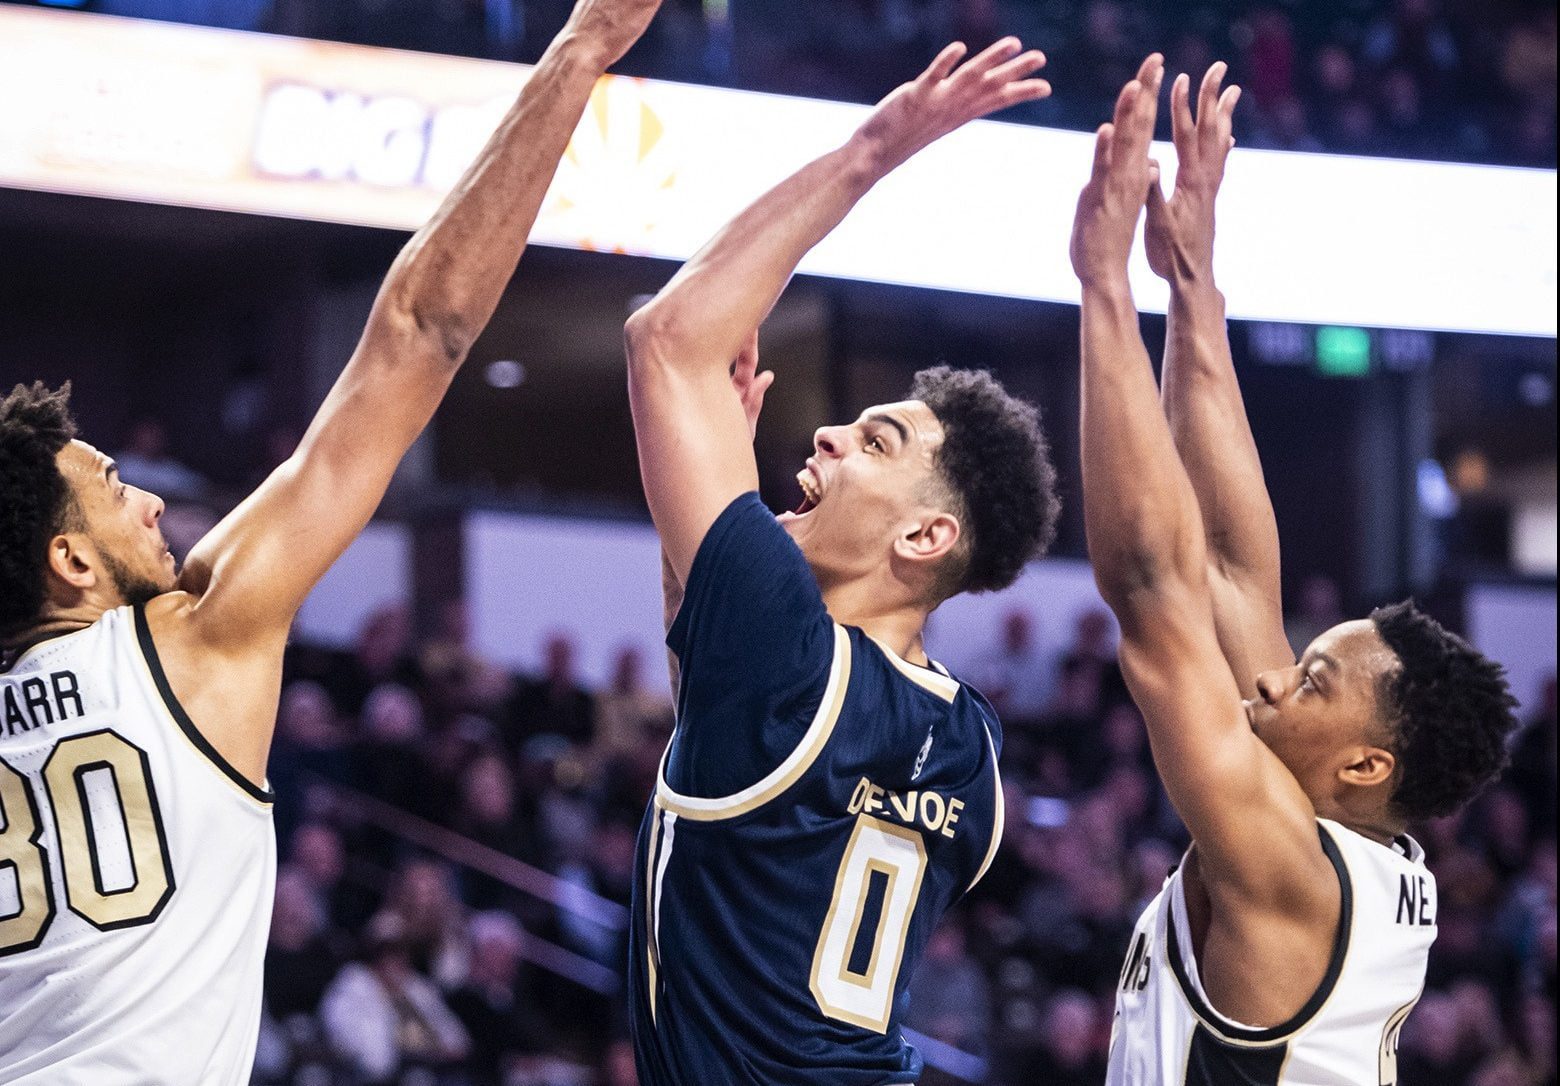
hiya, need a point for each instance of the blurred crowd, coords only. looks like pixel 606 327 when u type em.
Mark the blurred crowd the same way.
pixel 457 850
pixel 1466 80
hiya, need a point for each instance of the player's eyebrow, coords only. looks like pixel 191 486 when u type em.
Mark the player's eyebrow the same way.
pixel 110 469
pixel 904 431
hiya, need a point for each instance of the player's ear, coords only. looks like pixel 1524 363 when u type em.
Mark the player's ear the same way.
pixel 1368 767
pixel 73 561
pixel 929 539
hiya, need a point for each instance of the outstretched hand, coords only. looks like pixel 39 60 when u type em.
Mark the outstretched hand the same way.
pixel 1113 199
pixel 1179 235
pixel 611 27
pixel 750 384
pixel 947 96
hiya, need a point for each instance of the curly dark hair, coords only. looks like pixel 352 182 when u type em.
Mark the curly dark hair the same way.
pixel 35 424
pixel 997 466
pixel 1450 709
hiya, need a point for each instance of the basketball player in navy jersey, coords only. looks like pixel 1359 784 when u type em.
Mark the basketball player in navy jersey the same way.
pixel 829 791
pixel 1291 943
pixel 137 701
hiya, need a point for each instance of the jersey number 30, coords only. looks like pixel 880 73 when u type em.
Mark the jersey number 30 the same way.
pixel 856 964
pixel 112 848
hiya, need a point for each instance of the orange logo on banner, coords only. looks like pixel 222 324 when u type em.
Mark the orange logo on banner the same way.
pixel 617 173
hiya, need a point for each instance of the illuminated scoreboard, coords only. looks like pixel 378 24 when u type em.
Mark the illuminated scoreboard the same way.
pixel 189 116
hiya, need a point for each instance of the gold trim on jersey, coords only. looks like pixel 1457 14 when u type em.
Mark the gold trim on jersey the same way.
pixel 937 682
pixel 652 950
pixel 788 772
pixel 999 814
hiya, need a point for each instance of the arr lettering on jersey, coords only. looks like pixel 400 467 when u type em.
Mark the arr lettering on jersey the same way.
pixel 922 809
pixel 37 700
pixel 1416 901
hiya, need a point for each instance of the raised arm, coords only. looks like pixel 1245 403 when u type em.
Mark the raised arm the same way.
pixel 1202 397
pixel 253 571
pixel 695 453
pixel 1253 825
pixel 750 386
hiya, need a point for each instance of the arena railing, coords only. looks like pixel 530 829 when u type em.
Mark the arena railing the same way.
pixel 462 851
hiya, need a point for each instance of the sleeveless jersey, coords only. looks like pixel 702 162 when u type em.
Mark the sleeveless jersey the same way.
pixel 820 806
pixel 136 875
pixel 1167 1033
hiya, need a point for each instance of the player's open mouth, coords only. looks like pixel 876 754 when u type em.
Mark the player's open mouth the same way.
pixel 812 490
pixel 1251 713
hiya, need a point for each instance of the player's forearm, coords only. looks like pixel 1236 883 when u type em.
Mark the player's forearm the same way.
pixel 707 312
pixel 447 282
pixel 1140 513
pixel 1207 414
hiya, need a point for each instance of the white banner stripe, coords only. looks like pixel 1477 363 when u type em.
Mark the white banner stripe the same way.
pixel 190 116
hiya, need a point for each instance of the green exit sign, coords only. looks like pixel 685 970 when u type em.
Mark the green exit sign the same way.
pixel 1343 352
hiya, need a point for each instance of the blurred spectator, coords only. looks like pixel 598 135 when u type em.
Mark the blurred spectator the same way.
pixel 304 954
pixel 387 761
pixel 383 653
pixel 430 921
pixel 1070 1052
pixel 554 703
pixel 145 462
pixel 459 678
pixel 309 744
pixel 491 1003
pixel 950 996
pixel 1016 678
pixel 318 855
pixel 627 707
pixel 382 1017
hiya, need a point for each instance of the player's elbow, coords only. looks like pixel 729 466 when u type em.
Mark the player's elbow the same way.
pixel 1136 573
pixel 429 327
pixel 442 334
pixel 1126 576
pixel 652 338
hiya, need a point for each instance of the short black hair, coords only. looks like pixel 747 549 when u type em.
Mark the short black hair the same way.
pixel 35 424
pixel 997 464
pixel 1451 712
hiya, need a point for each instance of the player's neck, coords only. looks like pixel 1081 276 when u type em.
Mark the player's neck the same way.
pixel 1379 825
pixel 53 621
pixel 899 626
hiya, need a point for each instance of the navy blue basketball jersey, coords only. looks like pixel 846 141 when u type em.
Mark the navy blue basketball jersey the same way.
pixel 821 805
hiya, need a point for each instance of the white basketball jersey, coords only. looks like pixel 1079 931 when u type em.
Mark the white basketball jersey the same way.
pixel 1167 1033
pixel 136 875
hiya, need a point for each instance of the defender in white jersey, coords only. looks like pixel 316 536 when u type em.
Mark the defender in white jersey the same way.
pixel 137 701
pixel 141 872
pixel 1168 1031
pixel 1290 944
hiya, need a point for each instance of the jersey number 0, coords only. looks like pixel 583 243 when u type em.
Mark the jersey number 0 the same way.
pixel 112 848
pixel 856 964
